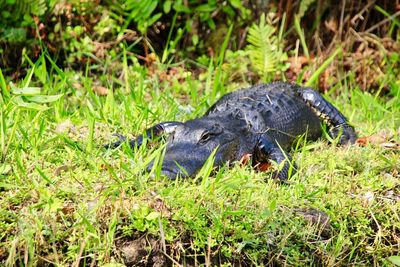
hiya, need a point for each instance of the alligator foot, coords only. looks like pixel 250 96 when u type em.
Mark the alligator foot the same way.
pixel 267 150
pixel 336 121
pixel 345 132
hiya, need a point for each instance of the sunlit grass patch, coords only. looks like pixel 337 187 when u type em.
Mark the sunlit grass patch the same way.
pixel 66 200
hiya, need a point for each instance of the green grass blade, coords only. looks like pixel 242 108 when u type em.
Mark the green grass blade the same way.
pixel 300 32
pixel 314 78
pixel 218 84
pixel 3 87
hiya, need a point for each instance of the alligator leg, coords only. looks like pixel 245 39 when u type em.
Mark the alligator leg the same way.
pixel 166 127
pixel 266 150
pixel 336 121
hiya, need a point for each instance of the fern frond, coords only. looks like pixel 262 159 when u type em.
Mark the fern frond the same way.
pixel 263 48
pixel 30 7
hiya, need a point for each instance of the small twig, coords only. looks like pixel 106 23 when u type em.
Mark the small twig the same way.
pixel 136 55
pixel 208 256
pixel 94 261
pixel 277 256
pixel 379 234
pixel 164 246
pixel 317 37
pixel 46 260
pixel 360 14
pixel 26 255
pixel 383 22
pixel 289 13
pixel 341 19
pixel 242 38
pixel 78 258
pixel 357 35
pixel 372 38
pixel 172 259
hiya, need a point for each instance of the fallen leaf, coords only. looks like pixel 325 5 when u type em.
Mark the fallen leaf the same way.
pixel 264 166
pixel 159 206
pixel 391 145
pixel 100 90
pixel 260 166
pixel 382 138
pixel 296 63
pixel 68 207
pixel 372 139
pixel 368 198
pixel 77 86
pixel 245 159
pixel 332 25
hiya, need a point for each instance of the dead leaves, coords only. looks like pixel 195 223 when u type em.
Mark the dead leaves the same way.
pixel 157 204
pixel 296 66
pixel 260 166
pixel 100 90
pixel 97 89
pixel 297 63
pixel 383 139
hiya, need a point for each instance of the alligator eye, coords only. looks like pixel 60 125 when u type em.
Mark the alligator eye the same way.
pixel 205 137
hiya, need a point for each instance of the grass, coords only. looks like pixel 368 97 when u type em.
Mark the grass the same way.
pixel 66 201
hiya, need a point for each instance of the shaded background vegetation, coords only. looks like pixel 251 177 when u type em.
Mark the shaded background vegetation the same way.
pixel 78 32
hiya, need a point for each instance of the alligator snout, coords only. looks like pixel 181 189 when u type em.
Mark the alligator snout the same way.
pixel 192 143
pixel 181 160
pixel 185 159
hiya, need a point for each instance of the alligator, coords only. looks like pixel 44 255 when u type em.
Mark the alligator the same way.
pixel 263 121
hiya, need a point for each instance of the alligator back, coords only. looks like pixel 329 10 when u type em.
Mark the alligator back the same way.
pixel 274 108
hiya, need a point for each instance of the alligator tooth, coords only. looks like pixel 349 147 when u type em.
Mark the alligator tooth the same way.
pixel 320 114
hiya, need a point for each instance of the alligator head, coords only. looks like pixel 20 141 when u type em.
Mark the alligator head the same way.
pixel 192 143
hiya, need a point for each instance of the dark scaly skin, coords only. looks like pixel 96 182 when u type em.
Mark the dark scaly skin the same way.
pixel 274 109
pixel 264 120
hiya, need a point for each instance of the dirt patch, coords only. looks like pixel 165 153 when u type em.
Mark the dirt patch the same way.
pixel 317 218
pixel 134 252
pixel 143 251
